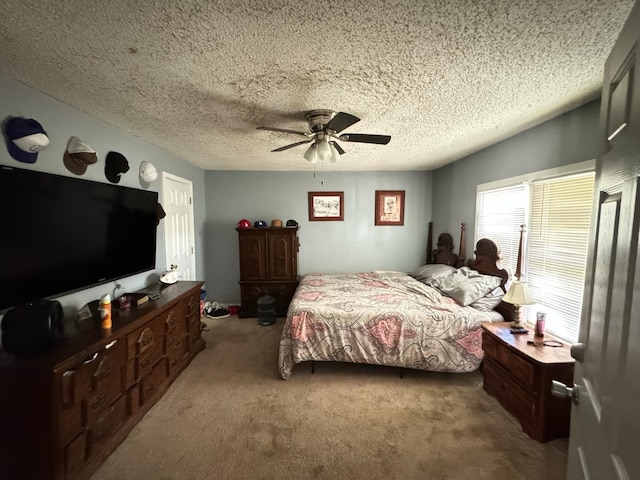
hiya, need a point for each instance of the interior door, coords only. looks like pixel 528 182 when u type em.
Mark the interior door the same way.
pixel 177 194
pixel 605 419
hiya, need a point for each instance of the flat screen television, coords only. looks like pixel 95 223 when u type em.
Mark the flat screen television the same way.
pixel 62 234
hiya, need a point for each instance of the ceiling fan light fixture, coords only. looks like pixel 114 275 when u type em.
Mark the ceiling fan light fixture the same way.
pixel 334 153
pixel 311 155
pixel 324 150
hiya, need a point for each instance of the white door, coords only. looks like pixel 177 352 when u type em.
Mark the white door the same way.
pixel 177 195
pixel 605 422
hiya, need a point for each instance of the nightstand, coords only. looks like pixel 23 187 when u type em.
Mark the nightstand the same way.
pixel 519 375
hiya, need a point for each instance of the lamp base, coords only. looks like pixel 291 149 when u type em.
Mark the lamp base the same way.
pixel 516 323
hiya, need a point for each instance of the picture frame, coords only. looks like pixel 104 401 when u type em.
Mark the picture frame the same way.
pixel 389 207
pixel 326 206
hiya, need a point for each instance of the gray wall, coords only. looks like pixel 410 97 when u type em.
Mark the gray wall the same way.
pixel 60 122
pixel 352 245
pixel 569 138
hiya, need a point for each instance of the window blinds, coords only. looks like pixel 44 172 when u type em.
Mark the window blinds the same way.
pixel 558 240
pixel 499 214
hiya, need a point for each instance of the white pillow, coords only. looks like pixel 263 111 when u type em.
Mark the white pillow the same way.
pixel 427 273
pixel 466 285
pixel 488 302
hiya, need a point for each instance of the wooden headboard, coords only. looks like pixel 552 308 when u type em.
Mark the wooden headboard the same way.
pixel 486 260
pixel 443 252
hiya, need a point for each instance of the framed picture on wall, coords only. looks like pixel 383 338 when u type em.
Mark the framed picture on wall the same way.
pixel 326 206
pixel 389 207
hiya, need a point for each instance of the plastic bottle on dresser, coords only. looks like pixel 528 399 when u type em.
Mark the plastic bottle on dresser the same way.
pixel 105 311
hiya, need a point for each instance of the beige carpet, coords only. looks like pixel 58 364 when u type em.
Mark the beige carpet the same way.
pixel 231 416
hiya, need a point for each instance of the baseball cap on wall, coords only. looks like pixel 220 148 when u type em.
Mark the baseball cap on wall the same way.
pixel 148 172
pixel 78 155
pixel 26 138
pixel 114 166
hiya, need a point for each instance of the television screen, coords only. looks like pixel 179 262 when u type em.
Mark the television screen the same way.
pixel 61 234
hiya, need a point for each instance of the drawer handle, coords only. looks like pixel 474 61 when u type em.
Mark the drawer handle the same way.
pixel 90 358
pixel 110 344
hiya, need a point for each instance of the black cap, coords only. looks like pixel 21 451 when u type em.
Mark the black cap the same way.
pixel 292 223
pixel 260 223
pixel 114 166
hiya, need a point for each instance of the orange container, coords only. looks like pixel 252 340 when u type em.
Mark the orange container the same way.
pixel 104 308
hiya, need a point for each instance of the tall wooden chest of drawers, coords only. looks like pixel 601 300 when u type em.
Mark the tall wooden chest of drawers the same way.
pixel 268 265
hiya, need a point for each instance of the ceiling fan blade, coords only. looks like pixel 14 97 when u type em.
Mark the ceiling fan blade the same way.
pixel 285 130
pixel 338 147
pixel 365 138
pixel 287 147
pixel 341 121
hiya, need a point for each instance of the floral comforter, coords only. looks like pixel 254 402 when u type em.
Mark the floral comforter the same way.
pixel 387 319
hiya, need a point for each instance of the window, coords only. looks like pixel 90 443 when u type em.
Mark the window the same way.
pixel 557 215
pixel 499 214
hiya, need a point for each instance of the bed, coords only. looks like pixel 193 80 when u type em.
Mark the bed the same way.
pixel 428 319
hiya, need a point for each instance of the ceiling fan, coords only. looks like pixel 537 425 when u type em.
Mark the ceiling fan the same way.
pixel 325 127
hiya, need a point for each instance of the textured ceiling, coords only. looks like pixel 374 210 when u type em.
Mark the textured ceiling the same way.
pixel 443 78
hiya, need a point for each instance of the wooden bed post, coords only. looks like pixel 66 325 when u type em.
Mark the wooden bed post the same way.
pixel 461 251
pixel 518 273
pixel 430 243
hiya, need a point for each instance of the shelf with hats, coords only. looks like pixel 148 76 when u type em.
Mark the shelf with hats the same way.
pixel 268 266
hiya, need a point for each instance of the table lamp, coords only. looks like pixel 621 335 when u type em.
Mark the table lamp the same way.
pixel 518 295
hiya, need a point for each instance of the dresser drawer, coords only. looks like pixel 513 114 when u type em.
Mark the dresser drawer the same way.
pixel 106 424
pixel 519 368
pixel 146 337
pixel 152 384
pixel 515 399
pixel 75 455
pixel 192 305
pixel 173 319
pixel 70 416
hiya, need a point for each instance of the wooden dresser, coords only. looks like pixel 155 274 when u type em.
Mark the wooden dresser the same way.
pixel 519 375
pixel 63 411
pixel 268 265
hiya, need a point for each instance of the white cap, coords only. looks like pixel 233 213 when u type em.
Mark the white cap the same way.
pixel 106 298
pixel 148 172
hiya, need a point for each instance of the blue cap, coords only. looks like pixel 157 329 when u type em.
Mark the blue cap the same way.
pixel 259 223
pixel 26 138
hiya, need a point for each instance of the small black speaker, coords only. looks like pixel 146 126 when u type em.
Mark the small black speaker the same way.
pixel 34 326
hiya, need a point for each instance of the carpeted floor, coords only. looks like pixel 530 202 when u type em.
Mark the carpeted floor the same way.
pixel 231 416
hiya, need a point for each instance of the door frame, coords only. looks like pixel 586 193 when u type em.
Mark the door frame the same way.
pixel 166 200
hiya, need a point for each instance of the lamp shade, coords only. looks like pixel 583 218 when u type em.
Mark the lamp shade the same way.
pixel 518 294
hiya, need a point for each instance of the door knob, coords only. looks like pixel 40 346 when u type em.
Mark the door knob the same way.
pixel 577 352
pixel 559 389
